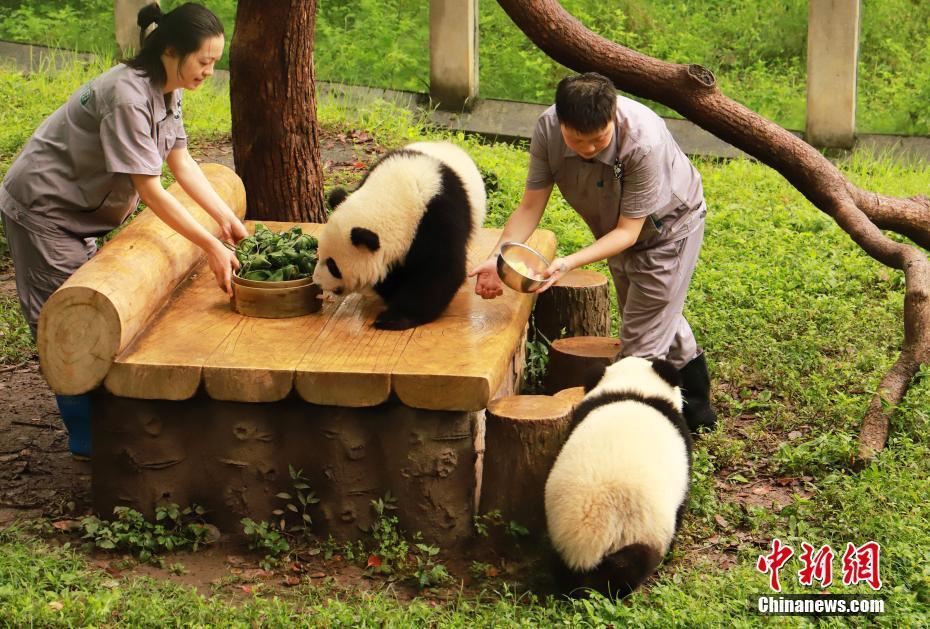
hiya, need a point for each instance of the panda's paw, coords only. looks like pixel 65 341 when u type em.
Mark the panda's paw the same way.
pixel 393 321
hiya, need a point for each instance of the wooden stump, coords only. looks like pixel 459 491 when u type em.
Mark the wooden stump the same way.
pixel 579 302
pixel 523 435
pixel 571 358
pixel 574 395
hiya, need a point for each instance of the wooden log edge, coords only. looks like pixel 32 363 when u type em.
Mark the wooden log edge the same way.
pixel 527 408
pixel 99 310
pixel 573 395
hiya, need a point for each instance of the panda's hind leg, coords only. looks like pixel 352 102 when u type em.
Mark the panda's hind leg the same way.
pixel 617 575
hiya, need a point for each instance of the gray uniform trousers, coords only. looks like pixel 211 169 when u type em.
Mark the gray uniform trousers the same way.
pixel 42 263
pixel 651 288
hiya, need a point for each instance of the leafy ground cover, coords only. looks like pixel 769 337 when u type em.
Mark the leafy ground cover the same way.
pixel 757 49
pixel 798 324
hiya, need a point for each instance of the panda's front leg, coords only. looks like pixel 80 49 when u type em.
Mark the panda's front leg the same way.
pixel 420 298
pixel 389 320
pixel 389 289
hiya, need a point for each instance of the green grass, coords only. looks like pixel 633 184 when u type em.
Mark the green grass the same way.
pixel 757 49
pixel 16 343
pixel 799 326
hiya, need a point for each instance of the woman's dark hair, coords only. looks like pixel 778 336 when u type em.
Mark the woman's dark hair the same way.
pixel 184 29
pixel 585 102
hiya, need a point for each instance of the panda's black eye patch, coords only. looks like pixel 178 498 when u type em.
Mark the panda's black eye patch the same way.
pixel 333 268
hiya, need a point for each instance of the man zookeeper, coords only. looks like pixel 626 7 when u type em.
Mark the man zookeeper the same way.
pixel 618 166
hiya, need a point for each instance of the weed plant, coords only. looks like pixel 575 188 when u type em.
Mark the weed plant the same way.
pixel 129 531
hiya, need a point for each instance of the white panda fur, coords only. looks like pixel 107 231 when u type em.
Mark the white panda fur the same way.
pixel 403 206
pixel 616 491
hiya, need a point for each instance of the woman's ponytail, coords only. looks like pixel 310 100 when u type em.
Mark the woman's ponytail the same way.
pixel 148 15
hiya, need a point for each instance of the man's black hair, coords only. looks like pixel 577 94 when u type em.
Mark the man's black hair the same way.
pixel 184 30
pixel 585 102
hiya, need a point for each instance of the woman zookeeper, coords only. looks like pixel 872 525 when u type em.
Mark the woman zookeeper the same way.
pixel 85 168
pixel 618 166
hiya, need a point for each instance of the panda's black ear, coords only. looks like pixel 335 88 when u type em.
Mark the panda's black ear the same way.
pixel 593 376
pixel 336 196
pixel 667 372
pixel 362 237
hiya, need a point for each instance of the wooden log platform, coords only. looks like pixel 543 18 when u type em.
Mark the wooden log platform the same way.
pixel 195 403
pixel 334 357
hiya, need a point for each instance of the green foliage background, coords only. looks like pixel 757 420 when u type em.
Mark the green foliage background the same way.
pixel 799 325
pixel 798 322
pixel 757 49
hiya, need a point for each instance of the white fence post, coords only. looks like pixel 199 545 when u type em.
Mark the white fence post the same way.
pixel 125 13
pixel 453 53
pixel 832 56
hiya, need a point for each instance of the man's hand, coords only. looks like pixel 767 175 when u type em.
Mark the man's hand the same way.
pixel 488 284
pixel 555 272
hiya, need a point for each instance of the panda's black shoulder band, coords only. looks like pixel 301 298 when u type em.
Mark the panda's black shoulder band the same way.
pixel 665 407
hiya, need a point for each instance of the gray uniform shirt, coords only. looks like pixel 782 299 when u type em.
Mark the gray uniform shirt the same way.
pixel 642 173
pixel 73 173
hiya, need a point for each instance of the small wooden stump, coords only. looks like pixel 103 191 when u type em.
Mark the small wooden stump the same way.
pixel 571 358
pixel 574 395
pixel 579 303
pixel 523 435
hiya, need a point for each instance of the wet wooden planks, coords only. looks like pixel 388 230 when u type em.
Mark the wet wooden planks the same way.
pixel 334 357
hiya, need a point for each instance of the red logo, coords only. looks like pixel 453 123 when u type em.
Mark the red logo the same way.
pixel 773 562
pixel 817 566
pixel 861 564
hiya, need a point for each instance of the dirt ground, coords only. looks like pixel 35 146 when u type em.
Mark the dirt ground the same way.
pixel 39 478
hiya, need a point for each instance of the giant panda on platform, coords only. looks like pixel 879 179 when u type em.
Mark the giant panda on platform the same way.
pixel 404 232
pixel 616 492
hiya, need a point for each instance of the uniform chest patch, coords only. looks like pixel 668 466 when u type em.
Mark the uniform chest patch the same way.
pixel 618 170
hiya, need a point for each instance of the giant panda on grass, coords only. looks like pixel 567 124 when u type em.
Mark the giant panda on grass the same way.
pixel 615 495
pixel 404 232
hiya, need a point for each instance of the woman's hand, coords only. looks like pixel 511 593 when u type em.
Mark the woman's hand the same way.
pixel 555 272
pixel 222 262
pixel 231 228
pixel 488 284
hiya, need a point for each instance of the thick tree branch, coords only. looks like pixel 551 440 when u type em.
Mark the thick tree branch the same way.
pixel 691 91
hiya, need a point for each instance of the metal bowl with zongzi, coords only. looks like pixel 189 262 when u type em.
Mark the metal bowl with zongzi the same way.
pixel 521 267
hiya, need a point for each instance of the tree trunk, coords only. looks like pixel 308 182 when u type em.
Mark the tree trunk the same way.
pixel 272 91
pixel 579 303
pixel 692 91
